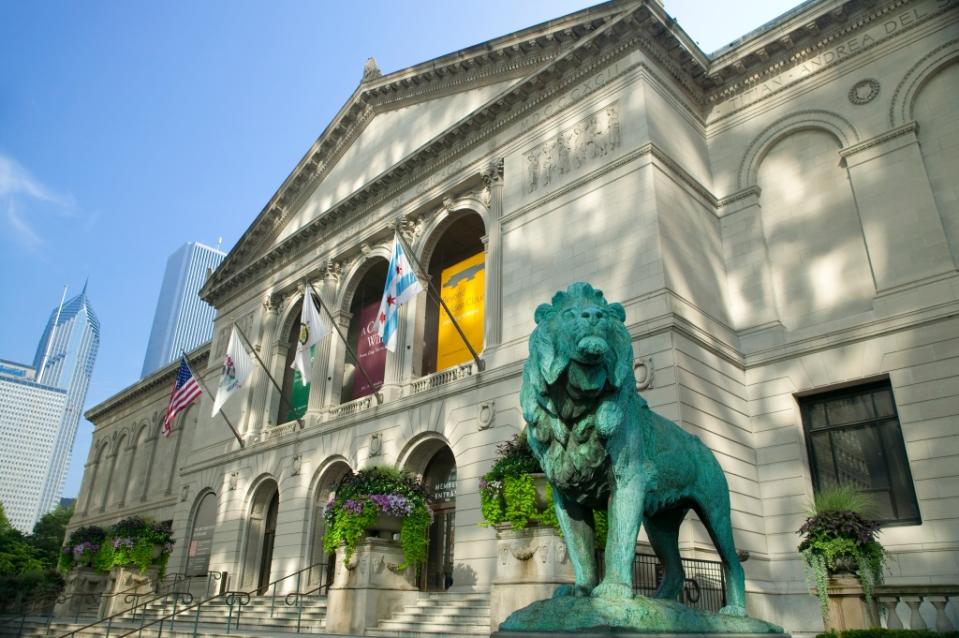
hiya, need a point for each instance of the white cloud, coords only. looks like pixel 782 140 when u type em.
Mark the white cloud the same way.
pixel 18 190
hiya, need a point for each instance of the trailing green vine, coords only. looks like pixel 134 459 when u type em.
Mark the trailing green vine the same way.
pixel 363 496
pixel 132 542
pixel 838 537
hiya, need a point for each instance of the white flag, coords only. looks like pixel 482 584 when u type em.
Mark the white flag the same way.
pixel 237 366
pixel 312 329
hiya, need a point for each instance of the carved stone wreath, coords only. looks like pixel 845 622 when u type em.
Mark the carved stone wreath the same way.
pixel 864 91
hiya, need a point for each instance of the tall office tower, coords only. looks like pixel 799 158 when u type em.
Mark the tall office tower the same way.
pixel 64 359
pixel 40 407
pixel 30 418
pixel 182 321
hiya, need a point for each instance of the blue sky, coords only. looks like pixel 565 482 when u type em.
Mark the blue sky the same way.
pixel 129 128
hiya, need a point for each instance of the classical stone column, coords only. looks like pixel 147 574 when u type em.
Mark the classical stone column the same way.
pixel 337 360
pixel 326 288
pixel 260 402
pixel 152 439
pixel 90 472
pixel 901 223
pixel 493 241
pixel 112 459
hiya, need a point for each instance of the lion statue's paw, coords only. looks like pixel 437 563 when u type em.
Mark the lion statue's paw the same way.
pixel 571 590
pixel 733 610
pixel 613 591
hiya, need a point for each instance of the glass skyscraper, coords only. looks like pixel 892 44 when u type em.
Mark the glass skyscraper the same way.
pixel 182 321
pixel 40 408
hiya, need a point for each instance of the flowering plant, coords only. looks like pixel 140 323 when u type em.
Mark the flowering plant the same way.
pixel 81 548
pixel 135 542
pixel 363 496
pixel 838 537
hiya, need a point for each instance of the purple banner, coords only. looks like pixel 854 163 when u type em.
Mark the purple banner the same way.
pixel 371 352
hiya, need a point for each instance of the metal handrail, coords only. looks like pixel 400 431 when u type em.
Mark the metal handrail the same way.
pixel 238 599
pixel 131 597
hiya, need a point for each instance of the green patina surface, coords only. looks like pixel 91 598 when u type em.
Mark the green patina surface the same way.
pixel 603 448
pixel 637 615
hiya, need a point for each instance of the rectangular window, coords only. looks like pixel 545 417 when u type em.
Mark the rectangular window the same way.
pixel 854 438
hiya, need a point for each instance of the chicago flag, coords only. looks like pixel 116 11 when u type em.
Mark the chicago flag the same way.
pixel 401 286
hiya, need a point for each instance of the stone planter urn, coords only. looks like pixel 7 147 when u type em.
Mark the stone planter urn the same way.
pixel 848 608
pixel 82 591
pixel 123 586
pixel 385 526
pixel 530 564
pixel 369 587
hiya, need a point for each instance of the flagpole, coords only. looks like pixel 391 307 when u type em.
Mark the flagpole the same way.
pixel 283 399
pixel 199 380
pixel 480 365
pixel 349 348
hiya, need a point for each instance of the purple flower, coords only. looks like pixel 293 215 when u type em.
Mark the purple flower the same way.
pixel 395 504
pixel 353 506
pixel 122 542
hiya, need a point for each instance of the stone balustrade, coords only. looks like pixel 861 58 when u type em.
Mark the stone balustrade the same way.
pixel 441 378
pixel 889 598
pixel 351 407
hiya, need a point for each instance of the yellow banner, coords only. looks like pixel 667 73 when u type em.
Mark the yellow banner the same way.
pixel 462 287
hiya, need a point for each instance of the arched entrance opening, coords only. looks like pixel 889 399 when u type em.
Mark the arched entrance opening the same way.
pixel 323 563
pixel 457 265
pixel 363 337
pixel 261 533
pixel 200 544
pixel 434 461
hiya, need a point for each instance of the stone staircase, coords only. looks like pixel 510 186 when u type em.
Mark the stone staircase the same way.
pixel 439 614
pixel 261 614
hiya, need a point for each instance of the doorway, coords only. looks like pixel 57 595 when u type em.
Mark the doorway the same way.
pixel 269 535
pixel 440 482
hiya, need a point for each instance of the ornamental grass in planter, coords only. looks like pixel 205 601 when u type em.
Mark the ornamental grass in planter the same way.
pixel 364 499
pixel 840 538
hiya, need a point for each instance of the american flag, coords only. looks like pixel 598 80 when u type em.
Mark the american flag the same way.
pixel 185 390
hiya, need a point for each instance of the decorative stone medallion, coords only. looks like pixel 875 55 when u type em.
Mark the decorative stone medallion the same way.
pixel 864 91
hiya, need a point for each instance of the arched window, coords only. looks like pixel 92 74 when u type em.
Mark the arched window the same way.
pixel 296 394
pixel 201 536
pixel 458 268
pixel 363 338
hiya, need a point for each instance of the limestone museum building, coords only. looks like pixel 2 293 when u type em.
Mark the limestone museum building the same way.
pixel 779 218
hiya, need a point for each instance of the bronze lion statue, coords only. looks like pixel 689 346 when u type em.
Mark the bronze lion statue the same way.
pixel 603 448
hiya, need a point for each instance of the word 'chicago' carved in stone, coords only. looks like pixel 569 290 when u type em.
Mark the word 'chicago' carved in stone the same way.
pixel 592 137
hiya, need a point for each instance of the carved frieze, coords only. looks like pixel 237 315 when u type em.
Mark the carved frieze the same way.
pixel 589 140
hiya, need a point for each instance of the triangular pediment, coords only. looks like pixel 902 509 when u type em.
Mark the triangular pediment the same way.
pixel 387 139
pixel 392 123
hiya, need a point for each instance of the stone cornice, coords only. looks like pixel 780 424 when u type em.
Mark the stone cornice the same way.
pixel 829 36
pixel 162 378
pixel 565 45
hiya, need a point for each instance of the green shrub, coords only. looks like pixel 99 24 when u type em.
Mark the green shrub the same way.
pixel 134 542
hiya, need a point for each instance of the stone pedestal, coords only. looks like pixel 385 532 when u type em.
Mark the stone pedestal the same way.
pixel 368 588
pixel 530 564
pixel 123 583
pixel 847 605
pixel 81 593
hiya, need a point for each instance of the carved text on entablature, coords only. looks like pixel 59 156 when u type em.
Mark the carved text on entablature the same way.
pixel 570 150
pixel 876 31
